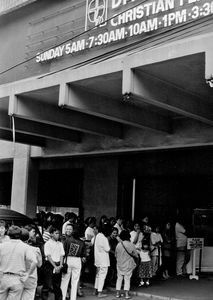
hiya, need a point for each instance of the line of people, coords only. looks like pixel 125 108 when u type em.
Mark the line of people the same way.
pixel 119 250
pixel 114 252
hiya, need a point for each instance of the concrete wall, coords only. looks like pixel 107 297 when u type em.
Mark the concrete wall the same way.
pixel 99 184
pixel 100 187
pixel 167 181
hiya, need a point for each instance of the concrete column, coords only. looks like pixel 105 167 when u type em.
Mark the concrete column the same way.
pixel 24 182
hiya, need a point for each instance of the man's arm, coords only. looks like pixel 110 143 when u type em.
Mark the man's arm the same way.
pixel 61 258
pixel 61 261
pixel 47 252
pixel 31 258
pixel 106 244
pixel 39 257
pixel 49 258
pixel 32 267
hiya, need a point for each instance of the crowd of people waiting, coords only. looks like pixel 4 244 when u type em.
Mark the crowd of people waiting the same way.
pixel 68 252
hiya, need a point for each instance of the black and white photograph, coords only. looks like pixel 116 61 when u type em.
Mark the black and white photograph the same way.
pixel 106 149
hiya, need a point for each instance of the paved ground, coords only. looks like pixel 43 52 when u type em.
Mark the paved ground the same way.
pixel 172 289
pixel 88 295
pixel 179 288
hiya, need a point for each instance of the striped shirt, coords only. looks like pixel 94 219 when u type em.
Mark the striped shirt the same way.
pixel 46 236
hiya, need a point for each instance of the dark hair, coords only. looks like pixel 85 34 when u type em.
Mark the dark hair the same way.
pixel 124 235
pixel 92 221
pixel 114 229
pixel 75 232
pixel 70 215
pixel 129 225
pixel 105 229
pixel 53 229
pixel 29 227
pixel 24 234
pixel 145 243
pixel 14 232
pixel 103 217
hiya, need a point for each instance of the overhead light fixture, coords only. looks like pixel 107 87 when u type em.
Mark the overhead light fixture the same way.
pixel 126 97
pixel 210 81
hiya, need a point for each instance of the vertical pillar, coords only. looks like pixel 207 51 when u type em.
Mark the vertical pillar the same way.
pixel 209 62
pixel 24 182
pixel 133 198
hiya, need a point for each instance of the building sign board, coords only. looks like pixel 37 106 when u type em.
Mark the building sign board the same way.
pixel 195 243
pixel 112 21
pixel 9 5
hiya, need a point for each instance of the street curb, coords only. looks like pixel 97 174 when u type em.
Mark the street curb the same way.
pixel 146 295
pixel 149 296
pixel 153 297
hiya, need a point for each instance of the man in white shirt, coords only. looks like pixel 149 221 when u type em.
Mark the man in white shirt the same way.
pixel 17 263
pixel 31 283
pixel 54 253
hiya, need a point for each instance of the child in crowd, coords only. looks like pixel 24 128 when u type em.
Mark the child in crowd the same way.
pixel 145 267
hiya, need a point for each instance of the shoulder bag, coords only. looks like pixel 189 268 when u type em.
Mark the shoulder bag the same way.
pixel 136 259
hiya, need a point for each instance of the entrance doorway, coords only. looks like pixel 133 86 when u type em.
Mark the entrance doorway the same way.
pixel 166 183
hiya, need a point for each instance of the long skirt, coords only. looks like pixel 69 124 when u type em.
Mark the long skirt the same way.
pixel 145 269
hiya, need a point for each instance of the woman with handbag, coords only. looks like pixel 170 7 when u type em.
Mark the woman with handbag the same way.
pixel 126 255
pixel 74 252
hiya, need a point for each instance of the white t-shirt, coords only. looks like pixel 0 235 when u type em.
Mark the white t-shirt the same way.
pixel 101 251
pixel 54 249
pixel 144 255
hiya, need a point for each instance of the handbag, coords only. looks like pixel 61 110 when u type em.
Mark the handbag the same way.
pixel 136 259
pixel 64 268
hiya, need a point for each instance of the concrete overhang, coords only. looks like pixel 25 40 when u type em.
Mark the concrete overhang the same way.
pixel 147 89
